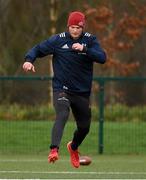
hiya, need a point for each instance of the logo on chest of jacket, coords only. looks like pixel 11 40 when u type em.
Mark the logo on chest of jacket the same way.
pixel 65 46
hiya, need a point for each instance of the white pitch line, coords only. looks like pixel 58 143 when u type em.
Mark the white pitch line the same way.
pixel 61 179
pixel 70 172
pixel 61 160
pixel 19 160
pixel 28 160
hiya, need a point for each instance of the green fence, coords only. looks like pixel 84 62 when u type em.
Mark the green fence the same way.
pixel 102 81
pixel 120 125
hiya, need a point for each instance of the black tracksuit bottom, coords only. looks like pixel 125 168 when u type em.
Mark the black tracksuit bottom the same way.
pixel 80 106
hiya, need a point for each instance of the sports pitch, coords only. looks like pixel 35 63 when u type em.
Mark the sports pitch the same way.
pixel 102 167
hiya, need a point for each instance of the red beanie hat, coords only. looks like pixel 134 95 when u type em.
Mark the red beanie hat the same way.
pixel 76 18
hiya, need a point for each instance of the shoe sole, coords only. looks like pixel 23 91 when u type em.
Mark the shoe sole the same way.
pixel 53 159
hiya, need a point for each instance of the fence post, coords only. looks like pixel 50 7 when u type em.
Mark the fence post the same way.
pixel 101 115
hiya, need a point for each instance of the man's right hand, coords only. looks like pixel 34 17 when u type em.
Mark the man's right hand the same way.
pixel 27 66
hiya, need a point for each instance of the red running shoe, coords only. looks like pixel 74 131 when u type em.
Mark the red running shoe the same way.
pixel 53 155
pixel 74 156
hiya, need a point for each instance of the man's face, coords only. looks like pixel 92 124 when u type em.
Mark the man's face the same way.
pixel 75 31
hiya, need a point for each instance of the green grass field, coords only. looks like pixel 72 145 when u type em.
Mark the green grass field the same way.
pixel 102 167
pixel 24 147
pixel 33 137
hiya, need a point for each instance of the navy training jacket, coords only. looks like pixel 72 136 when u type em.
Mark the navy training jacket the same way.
pixel 73 70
